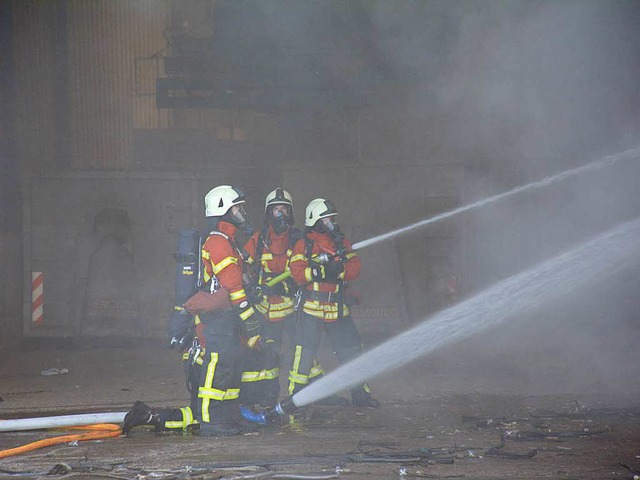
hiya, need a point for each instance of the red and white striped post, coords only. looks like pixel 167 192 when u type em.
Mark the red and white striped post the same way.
pixel 37 297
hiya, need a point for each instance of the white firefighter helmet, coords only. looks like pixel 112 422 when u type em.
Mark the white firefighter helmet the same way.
pixel 318 208
pixel 220 199
pixel 278 197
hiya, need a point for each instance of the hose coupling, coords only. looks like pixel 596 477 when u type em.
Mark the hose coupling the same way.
pixel 281 409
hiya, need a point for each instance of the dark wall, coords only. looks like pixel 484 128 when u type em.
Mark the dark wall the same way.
pixel 10 202
pixel 444 102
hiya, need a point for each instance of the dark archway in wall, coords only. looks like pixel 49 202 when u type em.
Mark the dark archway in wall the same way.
pixel 112 300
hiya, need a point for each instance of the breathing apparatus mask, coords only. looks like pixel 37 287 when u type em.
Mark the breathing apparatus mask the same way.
pixel 280 217
pixel 237 216
pixel 329 225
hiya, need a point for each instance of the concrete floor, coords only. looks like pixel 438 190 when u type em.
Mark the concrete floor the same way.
pixel 440 418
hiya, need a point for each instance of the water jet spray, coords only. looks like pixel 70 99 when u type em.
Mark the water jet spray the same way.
pixel 597 258
pixel 627 155
pixel 314 392
pixel 510 296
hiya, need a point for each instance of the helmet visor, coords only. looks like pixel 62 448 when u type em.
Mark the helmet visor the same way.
pixel 238 216
pixel 329 224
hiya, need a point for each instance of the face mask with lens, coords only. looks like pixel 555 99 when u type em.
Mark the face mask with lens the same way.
pixel 238 217
pixel 329 225
pixel 280 218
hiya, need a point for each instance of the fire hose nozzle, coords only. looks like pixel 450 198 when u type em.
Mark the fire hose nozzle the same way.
pixel 270 416
pixel 281 409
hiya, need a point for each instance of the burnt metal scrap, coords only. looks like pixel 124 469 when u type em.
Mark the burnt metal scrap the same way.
pixel 510 430
pixel 498 451
pixel 484 422
pixel 124 472
pixel 636 473
pixel 533 435
pixel 389 451
pixel 441 455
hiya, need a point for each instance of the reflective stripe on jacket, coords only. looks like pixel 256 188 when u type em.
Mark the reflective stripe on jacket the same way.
pixel 301 272
pixel 222 259
pixel 274 260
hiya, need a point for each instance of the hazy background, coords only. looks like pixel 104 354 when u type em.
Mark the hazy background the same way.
pixel 395 110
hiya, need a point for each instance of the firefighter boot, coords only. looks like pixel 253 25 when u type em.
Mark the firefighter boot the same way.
pixel 140 414
pixel 226 420
pixel 362 398
pixel 243 424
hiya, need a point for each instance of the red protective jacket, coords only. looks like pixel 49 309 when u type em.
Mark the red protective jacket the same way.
pixel 275 257
pixel 301 272
pixel 273 261
pixel 222 259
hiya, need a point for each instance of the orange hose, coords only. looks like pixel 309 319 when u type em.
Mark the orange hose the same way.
pixel 96 432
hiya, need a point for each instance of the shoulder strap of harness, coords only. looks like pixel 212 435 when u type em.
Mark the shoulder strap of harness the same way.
pixel 308 247
pixel 218 232
pixel 234 243
pixel 295 234
pixel 200 279
pixel 260 246
pixel 259 251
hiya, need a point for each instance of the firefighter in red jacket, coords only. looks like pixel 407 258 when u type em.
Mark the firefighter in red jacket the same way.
pixel 271 250
pixel 322 263
pixel 225 333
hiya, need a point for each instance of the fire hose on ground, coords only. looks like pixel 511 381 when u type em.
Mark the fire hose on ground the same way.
pixel 101 425
pixel 96 426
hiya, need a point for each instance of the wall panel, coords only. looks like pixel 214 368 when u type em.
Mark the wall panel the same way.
pixel 34 69
pixel 105 39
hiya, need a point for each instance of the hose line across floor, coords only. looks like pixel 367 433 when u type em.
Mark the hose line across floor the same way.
pixel 93 432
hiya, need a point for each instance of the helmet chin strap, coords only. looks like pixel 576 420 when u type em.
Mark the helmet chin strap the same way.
pixel 338 237
pixel 246 228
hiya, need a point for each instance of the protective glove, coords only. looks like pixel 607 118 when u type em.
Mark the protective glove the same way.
pixel 333 269
pixel 250 321
pixel 255 343
pixel 252 327
pixel 277 289
pixel 254 294
pixel 179 325
pixel 267 347
pixel 317 273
